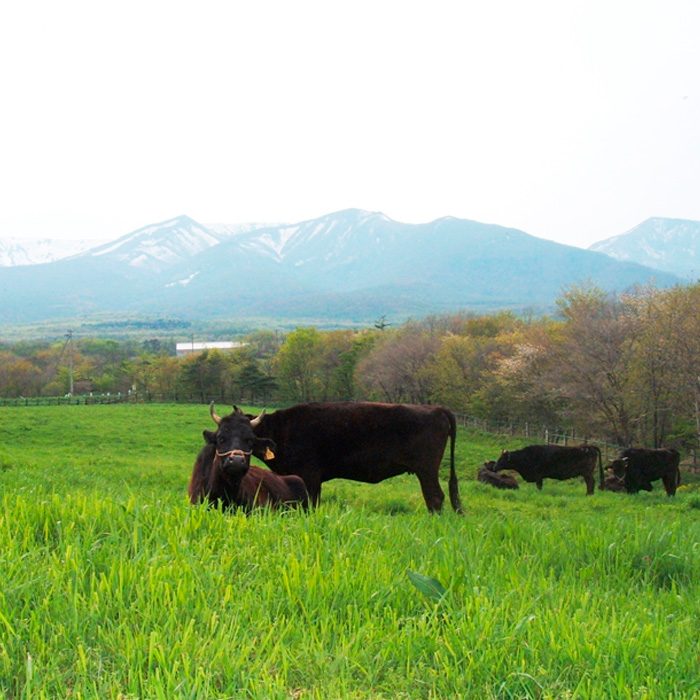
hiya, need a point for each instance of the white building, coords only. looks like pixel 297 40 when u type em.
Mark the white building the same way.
pixel 190 347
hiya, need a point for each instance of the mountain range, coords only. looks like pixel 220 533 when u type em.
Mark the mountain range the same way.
pixel 351 266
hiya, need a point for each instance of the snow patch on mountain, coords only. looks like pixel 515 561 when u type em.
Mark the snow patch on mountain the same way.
pixel 184 282
pixel 229 230
pixel 37 251
pixel 273 242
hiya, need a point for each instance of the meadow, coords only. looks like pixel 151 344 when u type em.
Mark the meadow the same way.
pixel 113 586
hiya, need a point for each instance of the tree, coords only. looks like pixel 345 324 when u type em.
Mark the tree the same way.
pixel 592 372
pixel 397 368
pixel 679 329
pixel 514 386
pixel 257 384
pixel 297 365
pixel 18 376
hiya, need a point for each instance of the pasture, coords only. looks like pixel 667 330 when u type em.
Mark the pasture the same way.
pixel 113 586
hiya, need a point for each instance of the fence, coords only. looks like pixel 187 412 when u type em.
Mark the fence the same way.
pixel 96 399
pixel 538 433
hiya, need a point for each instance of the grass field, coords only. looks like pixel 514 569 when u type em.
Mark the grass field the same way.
pixel 113 586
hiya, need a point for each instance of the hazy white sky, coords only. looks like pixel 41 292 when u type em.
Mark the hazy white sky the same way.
pixel 571 120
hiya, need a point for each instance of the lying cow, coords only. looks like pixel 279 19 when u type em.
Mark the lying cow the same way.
pixel 637 467
pixel 223 474
pixel 615 483
pixel 538 462
pixel 488 475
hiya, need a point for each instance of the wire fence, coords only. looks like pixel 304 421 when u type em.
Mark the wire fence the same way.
pixel 538 434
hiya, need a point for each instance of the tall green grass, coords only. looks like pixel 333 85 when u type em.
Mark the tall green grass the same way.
pixel 113 586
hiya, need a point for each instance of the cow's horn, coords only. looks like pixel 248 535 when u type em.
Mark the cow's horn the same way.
pixel 257 419
pixel 216 418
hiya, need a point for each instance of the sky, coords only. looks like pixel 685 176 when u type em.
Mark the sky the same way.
pixel 572 120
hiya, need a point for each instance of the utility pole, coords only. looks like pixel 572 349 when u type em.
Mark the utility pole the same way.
pixel 69 335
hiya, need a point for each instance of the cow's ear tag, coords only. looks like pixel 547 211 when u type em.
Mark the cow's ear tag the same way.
pixel 269 454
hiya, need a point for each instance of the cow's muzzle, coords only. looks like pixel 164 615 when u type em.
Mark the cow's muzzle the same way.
pixel 234 459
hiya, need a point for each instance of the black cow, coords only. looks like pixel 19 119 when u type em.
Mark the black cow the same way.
pixel 363 441
pixel 637 467
pixel 538 462
pixel 488 475
pixel 223 474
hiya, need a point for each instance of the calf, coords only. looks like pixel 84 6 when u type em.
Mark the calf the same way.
pixel 637 467
pixel 223 475
pixel 614 483
pixel 488 475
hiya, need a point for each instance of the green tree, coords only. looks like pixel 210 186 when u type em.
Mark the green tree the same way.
pixel 254 383
pixel 297 365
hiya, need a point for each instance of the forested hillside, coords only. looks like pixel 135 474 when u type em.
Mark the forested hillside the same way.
pixel 623 368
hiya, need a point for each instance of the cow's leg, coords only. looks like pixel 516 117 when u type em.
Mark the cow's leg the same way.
pixel 432 493
pixel 313 488
pixel 315 496
pixel 539 484
pixel 590 484
pixel 669 484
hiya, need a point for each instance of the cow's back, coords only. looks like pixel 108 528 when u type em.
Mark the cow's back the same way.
pixel 361 441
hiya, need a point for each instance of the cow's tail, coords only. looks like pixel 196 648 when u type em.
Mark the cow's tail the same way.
pixel 453 486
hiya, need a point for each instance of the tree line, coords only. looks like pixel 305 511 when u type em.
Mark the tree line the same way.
pixel 624 368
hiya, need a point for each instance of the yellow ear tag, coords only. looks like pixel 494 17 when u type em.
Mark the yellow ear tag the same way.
pixel 269 454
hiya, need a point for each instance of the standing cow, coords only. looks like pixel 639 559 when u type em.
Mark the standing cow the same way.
pixel 223 474
pixel 363 441
pixel 637 467
pixel 537 462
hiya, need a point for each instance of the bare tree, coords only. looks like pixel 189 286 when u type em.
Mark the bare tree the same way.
pixel 396 369
pixel 593 371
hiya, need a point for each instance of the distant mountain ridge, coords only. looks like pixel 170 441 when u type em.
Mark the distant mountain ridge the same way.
pixel 672 245
pixel 351 266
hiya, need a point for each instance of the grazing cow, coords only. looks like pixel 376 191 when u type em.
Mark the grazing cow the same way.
pixel 363 441
pixel 538 462
pixel 223 474
pixel 637 467
pixel 488 475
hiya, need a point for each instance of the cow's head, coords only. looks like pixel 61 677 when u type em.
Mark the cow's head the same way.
pixel 490 466
pixel 619 467
pixel 503 461
pixel 234 441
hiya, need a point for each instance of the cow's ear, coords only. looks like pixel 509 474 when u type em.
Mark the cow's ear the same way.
pixel 209 437
pixel 264 449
